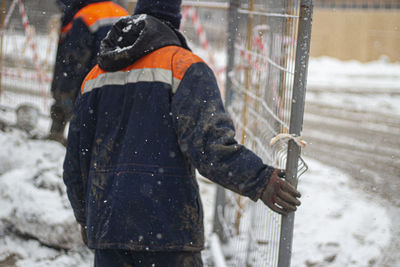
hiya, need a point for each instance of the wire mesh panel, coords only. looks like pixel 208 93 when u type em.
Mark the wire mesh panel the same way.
pixel 261 76
pixel 28 45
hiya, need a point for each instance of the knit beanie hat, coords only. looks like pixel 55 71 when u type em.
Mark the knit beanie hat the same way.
pixel 167 10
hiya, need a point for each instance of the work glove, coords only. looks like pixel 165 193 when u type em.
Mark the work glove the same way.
pixel 84 235
pixel 279 195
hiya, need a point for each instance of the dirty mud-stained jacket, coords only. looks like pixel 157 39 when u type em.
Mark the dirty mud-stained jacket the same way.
pixel 149 114
pixel 84 25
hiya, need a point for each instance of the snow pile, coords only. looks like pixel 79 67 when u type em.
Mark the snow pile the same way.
pixel 36 219
pixel 337 225
pixel 375 76
pixel 29 253
pixel 352 85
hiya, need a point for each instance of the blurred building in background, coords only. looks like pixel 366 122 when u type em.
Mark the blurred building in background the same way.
pixel 363 30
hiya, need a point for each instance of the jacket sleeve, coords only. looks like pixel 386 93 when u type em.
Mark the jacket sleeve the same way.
pixel 76 59
pixel 206 136
pixel 72 174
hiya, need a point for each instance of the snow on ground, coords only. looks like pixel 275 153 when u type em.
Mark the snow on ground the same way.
pixel 335 226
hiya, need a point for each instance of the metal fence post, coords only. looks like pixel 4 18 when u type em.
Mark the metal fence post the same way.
pixel 296 122
pixel 232 32
pixel 233 24
pixel 2 16
pixel 219 207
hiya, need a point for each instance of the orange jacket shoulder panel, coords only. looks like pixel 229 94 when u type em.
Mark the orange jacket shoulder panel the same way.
pixel 93 74
pixel 182 61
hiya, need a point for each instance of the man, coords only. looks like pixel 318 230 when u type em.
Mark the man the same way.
pixel 149 114
pixel 84 24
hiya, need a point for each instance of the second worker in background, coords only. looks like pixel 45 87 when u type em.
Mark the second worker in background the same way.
pixel 83 25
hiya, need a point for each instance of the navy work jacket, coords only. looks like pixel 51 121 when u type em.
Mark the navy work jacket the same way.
pixel 84 25
pixel 149 114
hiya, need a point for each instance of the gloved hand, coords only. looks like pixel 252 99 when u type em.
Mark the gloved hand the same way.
pixel 84 235
pixel 279 195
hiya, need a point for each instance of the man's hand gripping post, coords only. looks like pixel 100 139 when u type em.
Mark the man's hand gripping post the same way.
pixel 279 195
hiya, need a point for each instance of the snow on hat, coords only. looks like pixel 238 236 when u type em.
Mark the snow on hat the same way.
pixel 168 10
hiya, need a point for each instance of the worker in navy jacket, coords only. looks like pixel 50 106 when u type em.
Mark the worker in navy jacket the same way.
pixel 149 114
pixel 84 24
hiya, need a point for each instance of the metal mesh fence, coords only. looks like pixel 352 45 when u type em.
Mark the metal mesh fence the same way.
pixel 28 49
pixel 261 77
pixel 28 44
